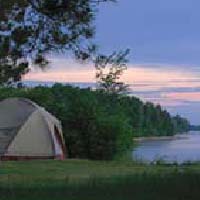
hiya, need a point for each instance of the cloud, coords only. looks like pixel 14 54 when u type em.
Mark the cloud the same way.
pixel 186 96
pixel 171 86
pixel 66 70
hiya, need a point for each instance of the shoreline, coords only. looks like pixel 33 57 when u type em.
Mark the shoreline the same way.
pixel 149 138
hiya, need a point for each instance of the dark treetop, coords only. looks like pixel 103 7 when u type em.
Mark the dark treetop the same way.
pixel 30 29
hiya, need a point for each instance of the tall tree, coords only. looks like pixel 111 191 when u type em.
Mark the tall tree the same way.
pixel 30 29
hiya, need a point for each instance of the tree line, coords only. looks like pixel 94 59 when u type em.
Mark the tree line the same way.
pixel 97 124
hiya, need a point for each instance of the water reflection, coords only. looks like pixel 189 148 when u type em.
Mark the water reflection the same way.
pixel 180 149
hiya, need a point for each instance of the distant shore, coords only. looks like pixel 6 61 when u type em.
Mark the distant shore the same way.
pixel 178 136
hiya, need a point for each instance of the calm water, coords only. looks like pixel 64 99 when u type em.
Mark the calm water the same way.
pixel 186 148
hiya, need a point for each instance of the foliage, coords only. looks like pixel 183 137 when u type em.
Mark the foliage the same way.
pixel 30 29
pixel 109 70
pixel 100 125
pixel 180 124
pixel 194 127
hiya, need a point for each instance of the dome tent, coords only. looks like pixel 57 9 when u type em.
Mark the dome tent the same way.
pixel 28 131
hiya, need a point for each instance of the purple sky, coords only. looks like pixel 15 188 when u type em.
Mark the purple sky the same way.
pixel 164 38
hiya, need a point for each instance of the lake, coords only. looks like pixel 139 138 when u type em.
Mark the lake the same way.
pixel 184 148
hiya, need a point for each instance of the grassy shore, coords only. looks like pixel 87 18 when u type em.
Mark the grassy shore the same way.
pixel 92 180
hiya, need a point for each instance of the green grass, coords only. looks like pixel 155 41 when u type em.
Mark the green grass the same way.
pixel 97 180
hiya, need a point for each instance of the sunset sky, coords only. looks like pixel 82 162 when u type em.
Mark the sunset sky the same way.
pixel 164 38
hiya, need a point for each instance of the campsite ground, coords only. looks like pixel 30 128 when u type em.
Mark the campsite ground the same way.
pixel 97 180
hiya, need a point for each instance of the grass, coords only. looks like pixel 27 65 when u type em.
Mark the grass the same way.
pixel 97 180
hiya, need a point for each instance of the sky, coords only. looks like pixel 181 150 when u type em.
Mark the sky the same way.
pixel 164 38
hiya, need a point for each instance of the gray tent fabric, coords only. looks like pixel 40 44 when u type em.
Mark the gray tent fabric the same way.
pixel 6 135
pixel 28 130
pixel 13 113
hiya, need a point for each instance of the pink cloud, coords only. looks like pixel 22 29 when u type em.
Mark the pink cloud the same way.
pixel 186 96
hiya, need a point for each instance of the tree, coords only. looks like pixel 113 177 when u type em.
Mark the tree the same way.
pixel 30 29
pixel 109 70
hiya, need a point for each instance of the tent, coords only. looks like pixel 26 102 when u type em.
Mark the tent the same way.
pixel 28 131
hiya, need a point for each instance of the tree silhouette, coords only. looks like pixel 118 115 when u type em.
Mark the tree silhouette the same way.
pixel 109 70
pixel 30 29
